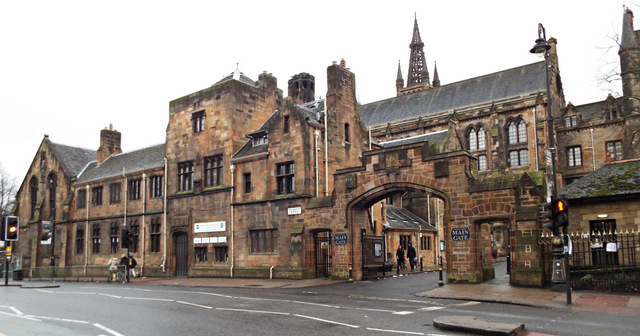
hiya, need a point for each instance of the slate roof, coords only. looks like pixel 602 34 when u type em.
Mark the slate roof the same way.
pixel 614 179
pixel 591 110
pixel 72 159
pixel 435 138
pixel 405 219
pixel 314 109
pixel 135 161
pixel 239 76
pixel 520 81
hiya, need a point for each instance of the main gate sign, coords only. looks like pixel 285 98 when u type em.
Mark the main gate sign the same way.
pixel 340 239
pixel 460 234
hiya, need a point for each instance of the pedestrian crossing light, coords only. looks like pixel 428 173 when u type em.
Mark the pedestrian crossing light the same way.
pixel 11 228
pixel 546 214
pixel 127 238
pixel 560 212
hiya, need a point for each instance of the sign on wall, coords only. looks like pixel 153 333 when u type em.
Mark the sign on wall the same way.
pixel 460 234
pixel 210 227
pixel 340 239
pixel 294 211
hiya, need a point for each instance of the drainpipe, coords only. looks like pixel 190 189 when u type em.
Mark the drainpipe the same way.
pixel 593 151
pixel 326 151
pixel 233 261
pixel 86 231
pixel 124 224
pixel 164 220
pixel 144 213
pixel 535 133
pixel 271 272
pixel 316 134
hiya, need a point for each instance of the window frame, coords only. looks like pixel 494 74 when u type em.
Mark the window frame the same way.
pixel 247 183
pixel 286 125
pixel 197 122
pixel 81 202
pixel 135 189
pixel 96 195
pixel 114 237
pixel 213 168
pixel 154 235
pixel 156 186
pixel 95 238
pixel 221 254
pixel 185 175
pixel 574 156
pixel 115 189
pixel 285 178
pixel 263 241
pixel 201 254
pixel 613 153
pixel 80 236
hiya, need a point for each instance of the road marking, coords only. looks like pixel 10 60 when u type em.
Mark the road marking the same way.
pixel 44 291
pixel 21 316
pixel 109 330
pixel 111 296
pixel 147 299
pixel 431 308
pixel 58 319
pixel 396 331
pixel 253 311
pixel 403 313
pixel 470 303
pixel 317 304
pixel 15 310
pixel 194 304
pixel 327 321
pixel 214 294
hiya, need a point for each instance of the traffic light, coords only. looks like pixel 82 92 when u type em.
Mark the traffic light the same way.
pixel 127 238
pixel 11 228
pixel 546 213
pixel 560 212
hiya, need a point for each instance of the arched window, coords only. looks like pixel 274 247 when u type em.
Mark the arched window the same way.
pixel 33 195
pixel 473 140
pixel 481 138
pixel 53 183
pixel 476 139
pixel 517 132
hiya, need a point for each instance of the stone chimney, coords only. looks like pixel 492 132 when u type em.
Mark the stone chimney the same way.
pixel 302 88
pixel 109 144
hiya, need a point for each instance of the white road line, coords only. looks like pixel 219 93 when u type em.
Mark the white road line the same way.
pixel 58 319
pixel 44 291
pixel 403 313
pixel 253 311
pixel 111 296
pixel 317 304
pixel 147 299
pixel 374 310
pixel 431 308
pixel 327 321
pixel 470 303
pixel 15 310
pixel 214 294
pixel 194 304
pixel 396 331
pixel 109 330
pixel 21 316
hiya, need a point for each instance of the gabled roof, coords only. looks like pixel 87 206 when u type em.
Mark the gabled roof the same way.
pixel 511 83
pixel 435 138
pixel 135 161
pixel 72 159
pixel 614 179
pixel 237 75
pixel 404 219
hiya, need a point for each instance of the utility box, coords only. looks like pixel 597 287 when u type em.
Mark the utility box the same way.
pixel 17 275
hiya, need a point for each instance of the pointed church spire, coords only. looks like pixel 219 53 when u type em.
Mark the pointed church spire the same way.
pixel 418 73
pixel 629 54
pixel 399 79
pixel 628 37
pixel 436 78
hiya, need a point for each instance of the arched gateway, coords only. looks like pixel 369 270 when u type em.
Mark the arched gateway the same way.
pixel 472 208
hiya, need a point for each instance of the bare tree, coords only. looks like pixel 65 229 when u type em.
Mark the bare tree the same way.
pixel 8 188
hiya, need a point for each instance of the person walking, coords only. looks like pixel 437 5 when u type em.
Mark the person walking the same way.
pixel 411 254
pixel 400 258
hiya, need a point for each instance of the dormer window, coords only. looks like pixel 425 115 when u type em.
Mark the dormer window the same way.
pixel 571 121
pixel 198 121
pixel 261 140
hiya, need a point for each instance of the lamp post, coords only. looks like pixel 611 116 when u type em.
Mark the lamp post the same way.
pixel 542 47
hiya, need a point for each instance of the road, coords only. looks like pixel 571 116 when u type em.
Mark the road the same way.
pixel 382 307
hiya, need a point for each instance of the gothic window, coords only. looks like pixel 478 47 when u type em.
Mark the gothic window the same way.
pixel 134 227
pixel 517 132
pixel 155 235
pixel 347 136
pixel 96 195
pixel 285 178
pixel 114 193
pixel 264 241
pixel 52 195
pixel 156 186
pixel 113 236
pixel 33 195
pixel 96 238
pixel 482 162
pixel 79 240
pixel 134 189
pixel 574 156
pixel 82 199
pixel 213 171
pixel 185 175
pixel 476 139
pixel 519 157
pixel 198 121
pixel 614 150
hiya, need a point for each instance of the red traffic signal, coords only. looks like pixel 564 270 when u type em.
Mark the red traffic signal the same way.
pixel 560 212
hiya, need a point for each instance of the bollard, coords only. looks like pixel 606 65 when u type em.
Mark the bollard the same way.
pixel 421 267
pixel 440 282
pixel 350 273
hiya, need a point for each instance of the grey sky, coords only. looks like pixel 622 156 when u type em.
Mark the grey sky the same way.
pixel 70 68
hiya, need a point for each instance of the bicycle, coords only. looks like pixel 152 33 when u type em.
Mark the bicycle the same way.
pixel 118 275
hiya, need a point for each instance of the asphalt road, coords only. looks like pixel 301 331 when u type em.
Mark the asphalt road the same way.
pixel 380 307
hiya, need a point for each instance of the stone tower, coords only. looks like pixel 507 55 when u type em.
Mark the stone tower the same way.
pixel 629 54
pixel 109 144
pixel 302 88
pixel 418 75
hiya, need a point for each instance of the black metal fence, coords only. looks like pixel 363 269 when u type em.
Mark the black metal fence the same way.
pixel 602 261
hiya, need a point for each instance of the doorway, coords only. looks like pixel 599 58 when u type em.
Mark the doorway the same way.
pixel 181 248
pixel 322 247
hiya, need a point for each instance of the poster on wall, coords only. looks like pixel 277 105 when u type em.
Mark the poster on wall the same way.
pixel 45 237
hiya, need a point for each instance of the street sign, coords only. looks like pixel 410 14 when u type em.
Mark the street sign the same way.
pixel 340 239
pixel 460 234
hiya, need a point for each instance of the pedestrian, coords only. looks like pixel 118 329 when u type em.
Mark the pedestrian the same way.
pixel 125 262
pixel 132 266
pixel 400 258
pixel 411 254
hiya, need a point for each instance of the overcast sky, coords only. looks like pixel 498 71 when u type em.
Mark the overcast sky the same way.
pixel 70 68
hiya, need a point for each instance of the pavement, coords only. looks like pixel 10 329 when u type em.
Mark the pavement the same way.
pixel 497 290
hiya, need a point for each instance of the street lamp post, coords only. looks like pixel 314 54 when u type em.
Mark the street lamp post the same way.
pixel 542 47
